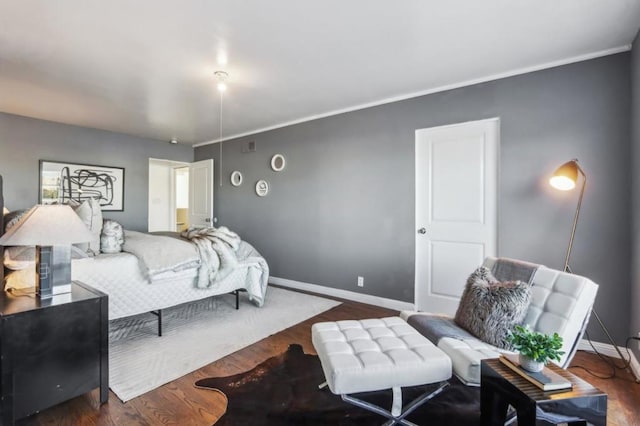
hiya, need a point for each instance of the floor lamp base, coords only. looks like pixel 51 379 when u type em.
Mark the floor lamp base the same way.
pixel 628 366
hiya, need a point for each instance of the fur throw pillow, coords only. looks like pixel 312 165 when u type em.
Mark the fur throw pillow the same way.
pixel 112 237
pixel 489 309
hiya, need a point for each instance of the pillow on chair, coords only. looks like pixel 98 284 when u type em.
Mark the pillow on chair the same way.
pixel 489 308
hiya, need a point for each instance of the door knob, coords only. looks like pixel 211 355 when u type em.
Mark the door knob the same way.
pixel 422 231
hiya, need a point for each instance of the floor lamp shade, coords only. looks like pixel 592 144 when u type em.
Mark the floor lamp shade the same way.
pixel 52 229
pixel 566 176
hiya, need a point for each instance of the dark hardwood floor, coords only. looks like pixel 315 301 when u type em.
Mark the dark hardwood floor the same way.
pixel 180 403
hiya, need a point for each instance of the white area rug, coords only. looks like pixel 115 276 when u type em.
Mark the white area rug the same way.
pixel 197 334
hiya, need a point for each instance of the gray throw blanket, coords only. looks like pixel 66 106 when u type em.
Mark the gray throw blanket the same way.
pixel 217 248
pixel 435 327
pixel 158 254
pixel 506 269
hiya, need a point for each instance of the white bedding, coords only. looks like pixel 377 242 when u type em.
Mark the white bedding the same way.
pixel 158 254
pixel 119 276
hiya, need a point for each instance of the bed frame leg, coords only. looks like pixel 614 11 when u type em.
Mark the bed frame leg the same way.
pixel 158 313
pixel 237 292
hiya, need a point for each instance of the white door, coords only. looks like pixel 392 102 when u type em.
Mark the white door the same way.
pixel 201 193
pixel 456 209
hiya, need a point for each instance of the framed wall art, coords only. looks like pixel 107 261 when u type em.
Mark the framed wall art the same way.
pixel 61 182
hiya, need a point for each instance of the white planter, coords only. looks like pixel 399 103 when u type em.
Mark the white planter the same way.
pixel 530 364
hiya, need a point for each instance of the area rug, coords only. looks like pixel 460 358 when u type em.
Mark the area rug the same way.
pixel 283 391
pixel 197 334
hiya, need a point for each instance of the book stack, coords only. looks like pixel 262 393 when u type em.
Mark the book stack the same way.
pixel 546 379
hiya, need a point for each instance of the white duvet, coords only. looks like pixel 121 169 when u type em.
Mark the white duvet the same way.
pixel 159 254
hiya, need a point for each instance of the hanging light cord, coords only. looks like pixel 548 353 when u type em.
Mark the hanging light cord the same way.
pixel 220 139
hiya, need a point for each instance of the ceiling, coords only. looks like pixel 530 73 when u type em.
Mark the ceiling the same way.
pixel 145 67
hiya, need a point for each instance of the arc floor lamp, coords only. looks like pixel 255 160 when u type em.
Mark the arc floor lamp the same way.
pixel 565 178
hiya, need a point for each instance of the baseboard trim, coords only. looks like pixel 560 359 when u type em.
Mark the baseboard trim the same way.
pixel 610 350
pixel 344 294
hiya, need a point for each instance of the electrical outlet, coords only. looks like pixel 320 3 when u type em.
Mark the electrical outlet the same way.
pixel 360 281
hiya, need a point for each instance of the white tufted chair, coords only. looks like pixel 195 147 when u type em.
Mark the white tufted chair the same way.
pixel 560 303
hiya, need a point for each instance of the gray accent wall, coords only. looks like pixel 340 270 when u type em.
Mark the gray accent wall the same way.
pixel 24 141
pixel 635 159
pixel 344 206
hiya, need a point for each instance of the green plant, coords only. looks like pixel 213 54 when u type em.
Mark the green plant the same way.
pixel 537 346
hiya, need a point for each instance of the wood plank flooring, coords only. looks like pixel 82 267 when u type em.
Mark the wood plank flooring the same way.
pixel 180 403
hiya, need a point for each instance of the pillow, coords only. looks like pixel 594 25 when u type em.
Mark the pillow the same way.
pixel 12 218
pixel 489 309
pixel 90 213
pixel 19 257
pixel 22 279
pixel 112 237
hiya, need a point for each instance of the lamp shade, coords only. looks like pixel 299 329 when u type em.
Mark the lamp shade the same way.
pixel 565 176
pixel 47 226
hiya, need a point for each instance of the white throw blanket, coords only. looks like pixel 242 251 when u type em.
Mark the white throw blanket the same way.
pixel 217 248
pixel 159 254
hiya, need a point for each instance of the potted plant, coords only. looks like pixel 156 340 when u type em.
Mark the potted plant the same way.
pixel 535 349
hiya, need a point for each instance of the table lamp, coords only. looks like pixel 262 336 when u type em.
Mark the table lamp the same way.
pixel 52 229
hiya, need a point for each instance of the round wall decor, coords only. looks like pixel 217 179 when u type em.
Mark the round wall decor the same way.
pixel 277 162
pixel 236 178
pixel 262 188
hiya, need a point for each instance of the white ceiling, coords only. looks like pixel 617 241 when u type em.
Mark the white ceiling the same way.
pixel 145 67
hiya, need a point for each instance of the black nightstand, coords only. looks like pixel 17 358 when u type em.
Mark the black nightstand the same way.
pixel 52 350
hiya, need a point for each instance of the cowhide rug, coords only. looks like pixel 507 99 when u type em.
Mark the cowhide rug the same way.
pixel 283 390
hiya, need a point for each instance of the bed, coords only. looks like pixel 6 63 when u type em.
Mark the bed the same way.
pixel 130 292
pixel 133 290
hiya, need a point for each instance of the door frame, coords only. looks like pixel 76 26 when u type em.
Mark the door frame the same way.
pixel 417 223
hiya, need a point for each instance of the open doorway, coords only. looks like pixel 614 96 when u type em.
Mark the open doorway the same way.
pixel 168 195
pixel 181 176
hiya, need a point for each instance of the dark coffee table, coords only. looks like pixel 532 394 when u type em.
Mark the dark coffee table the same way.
pixel 500 387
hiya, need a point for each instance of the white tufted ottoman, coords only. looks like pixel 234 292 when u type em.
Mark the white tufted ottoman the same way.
pixel 377 354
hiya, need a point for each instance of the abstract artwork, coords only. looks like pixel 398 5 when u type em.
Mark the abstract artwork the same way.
pixel 61 182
